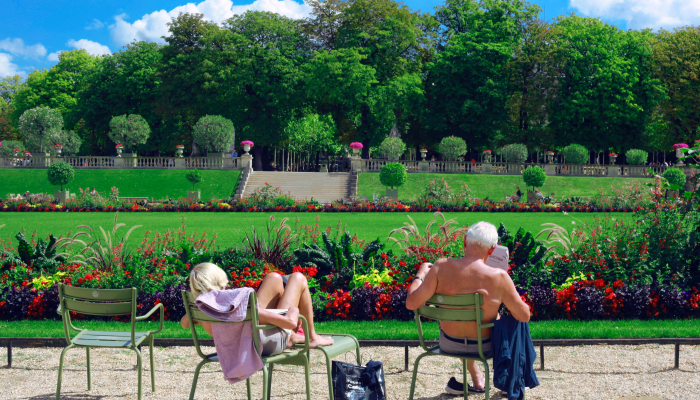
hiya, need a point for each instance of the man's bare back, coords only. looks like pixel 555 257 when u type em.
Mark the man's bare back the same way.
pixel 454 276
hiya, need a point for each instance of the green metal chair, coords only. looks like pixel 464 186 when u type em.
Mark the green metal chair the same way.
pixel 457 308
pixel 105 302
pixel 295 356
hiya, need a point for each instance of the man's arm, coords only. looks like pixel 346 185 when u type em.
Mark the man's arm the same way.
pixel 422 290
pixel 517 307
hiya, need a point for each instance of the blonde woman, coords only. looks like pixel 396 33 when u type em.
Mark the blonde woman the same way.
pixel 275 292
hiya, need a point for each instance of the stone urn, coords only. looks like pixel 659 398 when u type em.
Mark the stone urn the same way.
pixel 355 152
pixel 119 151
pixel 679 154
pixel 423 154
pixel 487 157
pixel 58 150
pixel 613 159
pixel 180 150
pixel 15 152
pixel 246 148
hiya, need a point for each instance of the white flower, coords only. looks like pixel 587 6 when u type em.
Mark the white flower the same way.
pixel 573 222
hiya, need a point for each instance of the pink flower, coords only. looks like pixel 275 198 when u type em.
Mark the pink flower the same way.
pixel 356 145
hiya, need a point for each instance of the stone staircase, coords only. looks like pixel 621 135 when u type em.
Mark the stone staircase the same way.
pixel 324 187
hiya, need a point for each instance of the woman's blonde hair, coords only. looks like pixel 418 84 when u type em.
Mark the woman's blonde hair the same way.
pixel 206 277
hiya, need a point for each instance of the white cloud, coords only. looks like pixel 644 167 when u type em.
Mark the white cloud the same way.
pixel 91 47
pixel 8 68
pixel 640 14
pixel 17 47
pixel 53 56
pixel 95 24
pixel 152 27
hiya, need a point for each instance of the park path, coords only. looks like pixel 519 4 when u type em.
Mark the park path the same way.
pixel 591 372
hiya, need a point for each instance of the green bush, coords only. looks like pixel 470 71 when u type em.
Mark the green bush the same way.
pixel 393 175
pixel 452 148
pixel 8 145
pixel 60 173
pixel 393 147
pixel 515 153
pixel 194 176
pixel 214 133
pixel 39 123
pixel 129 130
pixel 636 157
pixel 575 154
pixel 534 177
pixel 674 176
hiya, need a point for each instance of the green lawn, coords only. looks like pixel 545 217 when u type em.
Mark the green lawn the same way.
pixel 495 186
pixel 397 330
pixel 232 227
pixel 158 183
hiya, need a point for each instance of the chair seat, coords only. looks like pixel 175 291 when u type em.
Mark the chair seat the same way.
pixel 437 351
pixel 268 359
pixel 88 338
pixel 341 345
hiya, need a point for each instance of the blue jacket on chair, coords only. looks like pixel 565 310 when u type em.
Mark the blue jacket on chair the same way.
pixel 513 357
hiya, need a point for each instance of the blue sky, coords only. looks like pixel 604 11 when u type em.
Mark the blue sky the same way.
pixel 32 32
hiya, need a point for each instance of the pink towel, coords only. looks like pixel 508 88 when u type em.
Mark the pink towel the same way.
pixel 234 342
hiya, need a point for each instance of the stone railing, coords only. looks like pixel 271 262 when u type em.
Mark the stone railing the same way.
pixel 503 168
pixel 102 162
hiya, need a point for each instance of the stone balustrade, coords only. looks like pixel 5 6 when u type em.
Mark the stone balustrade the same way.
pixel 110 162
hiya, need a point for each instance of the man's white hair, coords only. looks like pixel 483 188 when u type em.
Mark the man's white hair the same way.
pixel 207 277
pixel 482 235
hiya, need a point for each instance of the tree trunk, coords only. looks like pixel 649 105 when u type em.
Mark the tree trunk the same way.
pixel 258 158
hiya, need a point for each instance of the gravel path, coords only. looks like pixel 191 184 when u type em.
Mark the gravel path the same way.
pixel 592 372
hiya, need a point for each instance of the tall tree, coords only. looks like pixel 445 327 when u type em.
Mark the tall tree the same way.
pixel 676 63
pixel 469 86
pixel 606 92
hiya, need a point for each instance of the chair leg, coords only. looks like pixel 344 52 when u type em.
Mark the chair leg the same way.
pixel 487 386
pixel 196 377
pixel 87 356
pixel 265 379
pixel 415 374
pixel 60 373
pixel 139 368
pixel 307 375
pixel 247 387
pixel 464 379
pixel 269 381
pixel 329 371
pixel 153 371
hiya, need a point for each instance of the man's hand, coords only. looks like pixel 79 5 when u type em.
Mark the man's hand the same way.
pixel 423 270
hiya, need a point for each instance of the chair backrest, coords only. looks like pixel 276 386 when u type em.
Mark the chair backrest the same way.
pixel 101 302
pixel 453 308
pixel 194 314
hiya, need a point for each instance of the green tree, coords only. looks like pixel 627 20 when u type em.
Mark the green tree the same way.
pixel 534 177
pixel 129 130
pixel 69 140
pixel 39 123
pixel 452 148
pixel 606 92
pixel 575 154
pixel 636 157
pixel 60 174
pixel 311 133
pixel 480 38
pixel 9 87
pixel 125 82
pixel 515 153
pixel 392 147
pixel 56 88
pixel 194 176
pixel 214 133
pixel 393 175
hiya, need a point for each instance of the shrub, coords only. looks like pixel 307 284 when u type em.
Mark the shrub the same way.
pixel 452 148
pixel 515 153
pixel 393 175
pixel 636 157
pixel 575 154
pixel 393 147
pixel 534 177
pixel 129 130
pixel 60 173
pixel 8 145
pixel 194 176
pixel 214 133
pixel 39 123
pixel 69 141
pixel 674 176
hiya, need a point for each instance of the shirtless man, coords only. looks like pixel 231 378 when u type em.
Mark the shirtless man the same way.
pixel 469 274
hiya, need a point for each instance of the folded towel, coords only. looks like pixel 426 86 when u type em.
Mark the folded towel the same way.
pixel 233 342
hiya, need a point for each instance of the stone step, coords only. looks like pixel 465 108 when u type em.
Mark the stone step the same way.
pixel 323 187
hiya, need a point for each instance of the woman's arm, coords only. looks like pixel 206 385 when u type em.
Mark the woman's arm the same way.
pixel 288 321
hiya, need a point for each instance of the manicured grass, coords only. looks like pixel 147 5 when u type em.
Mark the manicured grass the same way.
pixel 397 330
pixel 495 187
pixel 232 227
pixel 158 183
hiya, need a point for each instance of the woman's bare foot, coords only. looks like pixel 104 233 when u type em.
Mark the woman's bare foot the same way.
pixel 318 340
pixel 478 379
pixel 295 338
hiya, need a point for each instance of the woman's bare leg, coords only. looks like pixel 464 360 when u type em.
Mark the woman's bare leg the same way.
pixel 297 294
pixel 270 291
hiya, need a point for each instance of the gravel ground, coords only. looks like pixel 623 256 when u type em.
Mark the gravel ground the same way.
pixel 591 372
